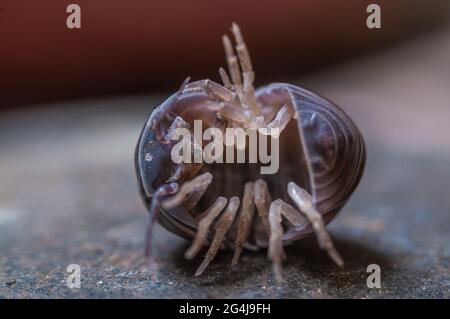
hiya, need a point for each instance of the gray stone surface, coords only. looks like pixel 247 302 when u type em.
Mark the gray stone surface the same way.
pixel 68 195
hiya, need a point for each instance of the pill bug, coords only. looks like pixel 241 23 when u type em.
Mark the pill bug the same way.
pixel 232 205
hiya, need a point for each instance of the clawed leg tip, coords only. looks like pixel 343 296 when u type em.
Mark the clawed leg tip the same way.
pixel 336 257
pixel 191 252
pixel 189 255
pixel 199 272
pixel 202 267
pixel 237 254
pixel 340 263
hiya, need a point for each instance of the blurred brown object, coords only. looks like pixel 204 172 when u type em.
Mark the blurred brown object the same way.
pixel 142 45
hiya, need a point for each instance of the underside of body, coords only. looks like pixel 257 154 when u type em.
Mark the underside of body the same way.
pixel 233 205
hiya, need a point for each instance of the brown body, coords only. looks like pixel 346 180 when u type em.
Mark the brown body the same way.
pixel 321 160
pixel 330 149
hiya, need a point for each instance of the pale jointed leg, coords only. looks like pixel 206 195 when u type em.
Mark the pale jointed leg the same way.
pixel 233 66
pixel 225 79
pixel 247 119
pixel 220 91
pixel 245 220
pixel 177 123
pixel 204 227
pixel 262 203
pixel 223 224
pixel 167 189
pixel 244 117
pixel 247 71
pixel 276 251
pixel 305 204
pixel 282 119
pixel 290 213
pixel 280 208
pixel 189 193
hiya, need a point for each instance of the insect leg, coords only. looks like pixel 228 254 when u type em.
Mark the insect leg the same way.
pixel 204 226
pixel 223 224
pixel 280 208
pixel 262 203
pixel 247 71
pixel 304 202
pixel 245 221
pixel 225 79
pixel 189 193
pixel 178 122
pixel 233 65
pixel 247 119
pixel 291 214
pixel 242 116
pixel 276 251
pixel 259 233
pixel 220 91
pixel 282 118
pixel 167 189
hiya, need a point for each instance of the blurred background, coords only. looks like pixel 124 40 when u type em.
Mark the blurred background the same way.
pixel 149 46
pixel 73 102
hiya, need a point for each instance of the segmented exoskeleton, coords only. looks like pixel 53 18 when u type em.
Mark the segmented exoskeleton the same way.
pixel 232 205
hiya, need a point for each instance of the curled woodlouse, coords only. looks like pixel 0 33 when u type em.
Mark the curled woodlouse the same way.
pixel 233 205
